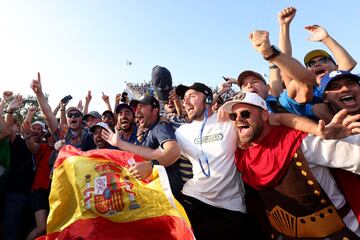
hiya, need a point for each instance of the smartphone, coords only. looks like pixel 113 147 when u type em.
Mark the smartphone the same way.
pixel 66 99
pixel 123 96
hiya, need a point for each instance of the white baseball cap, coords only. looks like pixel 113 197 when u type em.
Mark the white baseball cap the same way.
pixel 248 98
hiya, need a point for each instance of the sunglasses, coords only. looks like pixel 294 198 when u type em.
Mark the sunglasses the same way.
pixel 76 115
pixel 322 60
pixel 244 114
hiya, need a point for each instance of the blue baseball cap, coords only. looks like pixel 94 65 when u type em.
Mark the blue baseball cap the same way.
pixel 334 75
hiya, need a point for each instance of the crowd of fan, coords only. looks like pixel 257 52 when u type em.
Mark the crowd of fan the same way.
pixel 193 138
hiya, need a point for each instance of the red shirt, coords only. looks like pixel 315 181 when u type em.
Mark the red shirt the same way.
pixel 42 173
pixel 263 165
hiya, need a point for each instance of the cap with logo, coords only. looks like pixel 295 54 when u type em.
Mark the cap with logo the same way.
pixel 200 87
pixel 146 99
pixel 162 82
pixel 334 75
pixel 247 98
pixel 317 53
pixel 247 73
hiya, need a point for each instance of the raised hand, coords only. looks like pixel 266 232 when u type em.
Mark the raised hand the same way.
pixel 26 129
pixel 7 95
pixel 111 137
pixel 36 85
pixel 317 33
pixel 88 96
pixel 32 109
pixel 105 98
pixel 117 97
pixel 224 87
pixel 80 105
pixel 260 41
pixel 340 126
pixel 286 15
pixel 16 103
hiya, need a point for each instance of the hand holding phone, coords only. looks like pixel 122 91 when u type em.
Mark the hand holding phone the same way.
pixel 66 99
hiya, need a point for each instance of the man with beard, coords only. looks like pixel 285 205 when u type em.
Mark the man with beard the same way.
pixel 158 145
pixel 289 171
pixel 126 123
pixel 108 118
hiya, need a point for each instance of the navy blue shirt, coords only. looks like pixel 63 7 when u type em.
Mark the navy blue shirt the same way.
pixel 157 134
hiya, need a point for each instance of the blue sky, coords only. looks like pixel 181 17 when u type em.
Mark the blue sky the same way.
pixel 84 45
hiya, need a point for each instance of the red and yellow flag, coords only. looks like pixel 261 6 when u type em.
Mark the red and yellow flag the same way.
pixel 94 197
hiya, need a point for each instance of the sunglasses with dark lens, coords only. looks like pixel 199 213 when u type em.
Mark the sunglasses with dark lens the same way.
pixel 76 115
pixel 322 60
pixel 244 114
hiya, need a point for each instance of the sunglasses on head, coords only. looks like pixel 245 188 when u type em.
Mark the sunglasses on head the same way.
pixel 322 60
pixel 76 115
pixel 244 114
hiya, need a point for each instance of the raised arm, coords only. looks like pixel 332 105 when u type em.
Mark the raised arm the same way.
pixel 106 99
pixel 27 134
pixel 343 59
pixel 285 17
pixel 87 102
pixel 4 129
pixel 276 78
pixel 36 86
pixel 16 103
pixel 30 114
pixel 301 88
pixel 339 127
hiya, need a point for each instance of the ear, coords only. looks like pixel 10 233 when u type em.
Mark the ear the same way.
pixel 325 100
pixel 267 87
pixel 265 115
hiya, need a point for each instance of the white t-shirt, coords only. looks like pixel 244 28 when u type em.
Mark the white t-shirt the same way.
pixel 224 188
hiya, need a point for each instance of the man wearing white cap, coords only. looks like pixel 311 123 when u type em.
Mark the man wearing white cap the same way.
pixel 289 171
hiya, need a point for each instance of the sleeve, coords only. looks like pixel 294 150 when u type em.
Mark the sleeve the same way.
pixel 343 153
pixel 164 132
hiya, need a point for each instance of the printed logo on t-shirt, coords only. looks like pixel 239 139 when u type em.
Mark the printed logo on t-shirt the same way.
pixel 210 138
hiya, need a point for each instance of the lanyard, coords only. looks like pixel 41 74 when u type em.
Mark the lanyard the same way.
pixel 203 155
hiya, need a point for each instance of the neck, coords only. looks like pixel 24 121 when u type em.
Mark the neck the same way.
pixel 265 131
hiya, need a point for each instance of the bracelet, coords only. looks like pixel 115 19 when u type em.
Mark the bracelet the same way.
pixel 9 112
pixel 273 66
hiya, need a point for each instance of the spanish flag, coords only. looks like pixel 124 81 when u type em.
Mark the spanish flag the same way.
pixel 94 197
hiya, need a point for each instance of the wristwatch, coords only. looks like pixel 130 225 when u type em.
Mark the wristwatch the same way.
pixel 154 162
pixel 275 52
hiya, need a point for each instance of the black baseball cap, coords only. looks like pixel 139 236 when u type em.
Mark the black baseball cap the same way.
pixel 200 87
pixel 162 82
pixel 123 105
pixel 146 99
